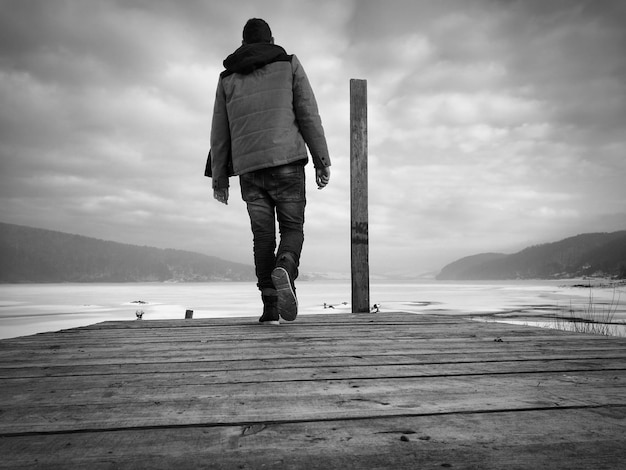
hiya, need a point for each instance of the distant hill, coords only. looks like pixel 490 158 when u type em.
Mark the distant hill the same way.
pixel 586 254
pixel 36 255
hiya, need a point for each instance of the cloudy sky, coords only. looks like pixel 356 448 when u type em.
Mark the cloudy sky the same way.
pixel 493 125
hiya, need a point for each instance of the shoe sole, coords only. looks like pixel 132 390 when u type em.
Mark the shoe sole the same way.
pixel 287 301
pixel 271 323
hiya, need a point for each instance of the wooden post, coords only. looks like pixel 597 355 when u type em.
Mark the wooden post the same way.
pixel 358 197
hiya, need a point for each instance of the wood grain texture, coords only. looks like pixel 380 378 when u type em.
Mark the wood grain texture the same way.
pixel 359 218
pixel 327 391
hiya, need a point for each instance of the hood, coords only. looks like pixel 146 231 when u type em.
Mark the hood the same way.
pixel 251 57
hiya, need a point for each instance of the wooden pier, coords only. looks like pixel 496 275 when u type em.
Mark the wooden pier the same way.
pixel 387 390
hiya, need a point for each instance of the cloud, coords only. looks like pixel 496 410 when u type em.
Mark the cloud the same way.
pixel 492 124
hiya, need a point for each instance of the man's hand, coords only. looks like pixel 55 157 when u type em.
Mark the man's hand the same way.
pixel 221 195
pixel 322 177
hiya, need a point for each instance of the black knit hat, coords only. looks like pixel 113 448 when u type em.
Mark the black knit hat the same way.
pixel 256 30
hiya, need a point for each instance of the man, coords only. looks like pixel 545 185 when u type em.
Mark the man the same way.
pixel 265 112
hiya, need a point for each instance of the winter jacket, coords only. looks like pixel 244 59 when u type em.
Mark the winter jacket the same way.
pixel 264 114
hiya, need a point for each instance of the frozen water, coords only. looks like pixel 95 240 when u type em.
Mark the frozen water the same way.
pixel 33 308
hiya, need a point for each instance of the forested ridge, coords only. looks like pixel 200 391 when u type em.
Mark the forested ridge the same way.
pixel 36 255
pixel 590 254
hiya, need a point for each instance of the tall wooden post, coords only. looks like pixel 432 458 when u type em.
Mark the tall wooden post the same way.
pixel 358 197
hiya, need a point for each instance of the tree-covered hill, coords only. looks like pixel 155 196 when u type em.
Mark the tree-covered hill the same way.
pixel 35 255
pixel 582 255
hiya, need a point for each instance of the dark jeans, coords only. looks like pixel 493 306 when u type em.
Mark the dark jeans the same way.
pixel 272 194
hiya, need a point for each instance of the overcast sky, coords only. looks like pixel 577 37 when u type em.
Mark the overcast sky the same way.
pixel 493 125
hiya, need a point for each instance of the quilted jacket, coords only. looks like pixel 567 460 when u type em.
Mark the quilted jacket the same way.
pixel 264 114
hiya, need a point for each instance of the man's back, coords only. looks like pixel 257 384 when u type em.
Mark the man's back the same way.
pixel 265 109
pixel 263 126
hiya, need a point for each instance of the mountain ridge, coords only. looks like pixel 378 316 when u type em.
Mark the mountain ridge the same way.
pixel 30 254
pixel 601 253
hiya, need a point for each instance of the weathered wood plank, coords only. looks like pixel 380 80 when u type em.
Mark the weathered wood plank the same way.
pixel 84 357
pixel 29 387
pixel 572 358
pixel 119 407
pixel 350 367
pixel 557 439
pixel 181 332
pixel 248 330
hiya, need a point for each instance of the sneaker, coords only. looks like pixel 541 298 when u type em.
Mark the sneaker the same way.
pixel 270 311
pixel 287 301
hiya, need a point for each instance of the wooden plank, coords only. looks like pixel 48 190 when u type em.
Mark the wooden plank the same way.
pixel 359 232
pixel 119 406
pixel 552 361
pixel 348 367
pixel 158 389
pixel 246 329
pixel 559 439
pixel 213 350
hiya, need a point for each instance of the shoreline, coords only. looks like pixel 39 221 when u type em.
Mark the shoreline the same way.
pixel 27 309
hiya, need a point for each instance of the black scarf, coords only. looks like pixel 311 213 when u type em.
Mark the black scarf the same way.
pixel 251 57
